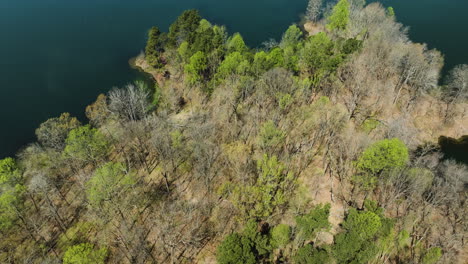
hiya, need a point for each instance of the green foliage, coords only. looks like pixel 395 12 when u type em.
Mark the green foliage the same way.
pixel 261 63
pixel 260 241
pixel 11 193
pixel 9 172
pixel 232 64
pixel 280 235
pixel 291 37
pixel 369 124
pixel 310 255
pixel 284 100
pixel 236 44
pixel 271 185
pixel 10 200
pixel 403 239
pixel 378 159
pixel 184 28
pixel 195 70
pixel 363 230
pixel 390 12
pixel 366 223
pixel 267 193
pixel 184 51
pixel 351 45
pixel 270 136
pixel 339 17
pixel 85 254
pixel 220 36
pixel 432 255
pixel 236 249
pixel 276 57
pixel 205 38
pixel 383 155
pixel 154 46
pixel 317 219
pixel 108 182
pixel 86 144
pixel 176 139
pixel 318 56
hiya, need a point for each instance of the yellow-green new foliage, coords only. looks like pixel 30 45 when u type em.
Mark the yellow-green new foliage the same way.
pixel 383 155
pixel 9 171
pixel 339 18
pixel 236 44
pixel 85 254
pixel 280 235
pixel 108 182
pixel 309 224
pixel 195 69
pixel 260 199
pixel 86 144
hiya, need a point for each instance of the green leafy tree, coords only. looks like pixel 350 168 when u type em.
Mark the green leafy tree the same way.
pixel 261 63
pixel 195 70
pixel 86 144
pixel 390 12
pixel 270 136
pixel 261 242
pixel 339 17
pixel 280 235
pixel 85 253
pixel 291 37
pixel 236 249
pixel 9 172
pixel 276 57
pixel 236 44
pixel 154 46
pixel 318 56
pixel 232 64
pixel 378 159
pixel 291 59
pixel 184 28
pixel 363 232
pixel 260 199
pixel 310 255
pixel 11 193
pixel 432 255
pixel 309 224
pixel 204 39
pixel 383 155
pixel 108 182
pixel 184 52
pixel 10 203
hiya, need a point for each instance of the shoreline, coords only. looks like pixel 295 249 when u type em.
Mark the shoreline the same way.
pixel 139 63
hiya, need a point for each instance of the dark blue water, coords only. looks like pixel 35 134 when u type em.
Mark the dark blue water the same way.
pixel 58 55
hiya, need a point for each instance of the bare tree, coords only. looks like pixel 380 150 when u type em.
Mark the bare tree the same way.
pixel 130 103
pixel 314 10
pixel 40 184
pixel 53 132
pixel 456 89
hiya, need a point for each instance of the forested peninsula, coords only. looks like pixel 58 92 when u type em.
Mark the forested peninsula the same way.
pixel 322 147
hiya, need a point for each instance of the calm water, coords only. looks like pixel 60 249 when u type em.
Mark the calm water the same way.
pixel 57 56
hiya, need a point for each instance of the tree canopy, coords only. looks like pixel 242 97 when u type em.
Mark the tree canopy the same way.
pixel 85 254
pixel 86 144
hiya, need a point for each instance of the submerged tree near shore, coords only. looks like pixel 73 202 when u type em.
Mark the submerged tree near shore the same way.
pixel 316 149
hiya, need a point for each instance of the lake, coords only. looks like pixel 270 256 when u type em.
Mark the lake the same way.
pixel 57 56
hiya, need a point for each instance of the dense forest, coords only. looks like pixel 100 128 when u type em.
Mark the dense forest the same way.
pixel 322 147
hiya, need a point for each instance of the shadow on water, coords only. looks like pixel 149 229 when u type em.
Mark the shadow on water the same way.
pixel 456 149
